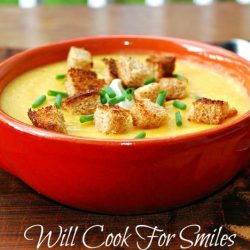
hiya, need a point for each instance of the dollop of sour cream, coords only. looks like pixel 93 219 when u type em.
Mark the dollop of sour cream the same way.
pixel 116 86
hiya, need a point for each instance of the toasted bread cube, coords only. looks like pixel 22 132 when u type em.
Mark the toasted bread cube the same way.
pixel 150 91
pixel 175 87
pixel 132 72
pixel 161 65
pixel 79 58
pixel 210 111
pixel 49 118
pixel 147 114
pixel 81 81
pixel 82 103
pixel 110 72
pixel 112 119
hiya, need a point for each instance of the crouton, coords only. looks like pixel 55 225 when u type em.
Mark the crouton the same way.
pixel 147 114
pixel 150 91
pixel 49 118
pixel 175 87
pixel 79 58
pixel 110 72
pixel 210 111
pixel 112 119
pixel 81 81
pixel 132 72
pixel 161 65
pixel 82 103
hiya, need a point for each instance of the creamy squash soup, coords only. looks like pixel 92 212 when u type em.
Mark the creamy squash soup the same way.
pixel 124 96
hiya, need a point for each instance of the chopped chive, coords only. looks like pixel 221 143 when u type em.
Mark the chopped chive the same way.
pixel 149 80
pixel 127 95
pixel 178 118
pixel 55 93
pixel 102 93
pixel 58 101
pixel 110 92
pixel 161 97
pixel 39 101
pixel 130 90
pixel 60 76
pixel 86 118
pixel 116 100
pixel 179 105
pixel 178 76
pixel 103 98
pixel 140 135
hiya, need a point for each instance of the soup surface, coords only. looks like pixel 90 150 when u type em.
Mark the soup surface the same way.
pixel 19 95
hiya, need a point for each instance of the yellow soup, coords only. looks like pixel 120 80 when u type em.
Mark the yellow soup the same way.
pixel 19 95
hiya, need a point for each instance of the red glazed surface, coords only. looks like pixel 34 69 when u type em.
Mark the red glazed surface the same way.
pixel 124 176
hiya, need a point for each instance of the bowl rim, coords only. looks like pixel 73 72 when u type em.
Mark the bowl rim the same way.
pixel 210 133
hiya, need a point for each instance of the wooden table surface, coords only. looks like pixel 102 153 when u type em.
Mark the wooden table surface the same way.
pixel 32 27
pixel 21 207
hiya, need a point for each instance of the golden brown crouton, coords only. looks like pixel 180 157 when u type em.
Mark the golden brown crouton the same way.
pixel 150 91
pixel 132 72
pixel 175 87
pixel 81 81
pixel 147 114
pixel 49 118
pixel 82 103
pixel 112 119
pixel 110 72
pixel 79 58
pixel 161 65
pixel 210 111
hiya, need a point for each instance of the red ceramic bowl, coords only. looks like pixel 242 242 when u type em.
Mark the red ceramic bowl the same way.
pixel 124 176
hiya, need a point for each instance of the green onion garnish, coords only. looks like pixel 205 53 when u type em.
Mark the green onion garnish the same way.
pixel 103 98
pixel 116 100
pixel 149 80
pixel 127 95
pixel 140 135
pixel 39 101
pixel 179 105
pixel 178 76
pixel 161 97
pixel 86 118
pixel 58 101
pixel 61 76
pixel 178 118
pixel 110 92
pixel 102 93
pixel 55 93
pixel 130 90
